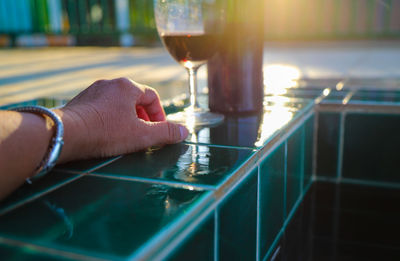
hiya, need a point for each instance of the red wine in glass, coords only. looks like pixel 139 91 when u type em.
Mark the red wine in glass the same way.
pixel 193 48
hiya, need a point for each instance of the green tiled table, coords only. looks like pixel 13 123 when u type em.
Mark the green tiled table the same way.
pixel 225 193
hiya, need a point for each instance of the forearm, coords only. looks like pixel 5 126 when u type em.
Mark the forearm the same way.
pixel 24 140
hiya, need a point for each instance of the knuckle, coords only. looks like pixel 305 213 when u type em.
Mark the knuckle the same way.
pixel 123 81
pixel 100 82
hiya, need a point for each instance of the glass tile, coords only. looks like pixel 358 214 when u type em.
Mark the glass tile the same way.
pixel 180 163
pixel 253 130
pixel 295 167
pixel 271 198
pixel 335 97
pixel 328 144
pixel 376 96
pixel 112 218
pixel 344 221
pixel 371 147
pixel 238 221
pixel 14 253
pixel 298 234
pixel 200 245
pixel 342 213
pixel 84 166
pixel 308 151
pixel 303 93
pixel 28 191
pixel 325 249
pixel 238 131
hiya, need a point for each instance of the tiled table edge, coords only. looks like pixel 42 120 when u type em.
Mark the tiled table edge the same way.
pixel 160 246
pixel 211 202
pixel 343 108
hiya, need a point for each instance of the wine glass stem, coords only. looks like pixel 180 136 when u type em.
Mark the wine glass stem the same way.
pixel 193 87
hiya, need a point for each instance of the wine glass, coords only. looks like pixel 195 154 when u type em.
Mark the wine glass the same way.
pixel 189 31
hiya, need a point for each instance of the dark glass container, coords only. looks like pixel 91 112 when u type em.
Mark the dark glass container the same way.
pixel 235 78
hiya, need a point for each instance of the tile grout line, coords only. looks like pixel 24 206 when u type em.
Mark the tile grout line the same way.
pixel 284 137
pixel 59 185
pixel 361 182
pixel 286 222
pixel 315 146
pixel 285 181
pixel 348 97
pixel 54 251
pixel 216 234
pixel 38 195
pixel 197 218
pixel 336 220
pixel 303 144
pixel 215 201
pixel 220 146
pixel 183 185
pixel 341 147
pixel 258 213
pixel 355 107
pixel 105 163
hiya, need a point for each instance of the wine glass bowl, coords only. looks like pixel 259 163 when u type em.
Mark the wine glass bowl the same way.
pixel 188 31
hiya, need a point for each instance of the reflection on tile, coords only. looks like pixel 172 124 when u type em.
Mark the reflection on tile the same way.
pixel 200 245
pixel 335 97
pixel 11 253
pixel 85 166
pixel 253 130
pixel 108 217
pixel 27 191
pixel 276 118
pixel 371 146
pixel 303 93
pixel 238 221
pixel 376 96
pixel 295 167
pixel 182 163
pixel 271 198
pixel 308 151
pixel 235 131
pixel 328 143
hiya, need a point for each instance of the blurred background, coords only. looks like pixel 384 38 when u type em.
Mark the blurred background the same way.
pixel 131 22
pixel 332 43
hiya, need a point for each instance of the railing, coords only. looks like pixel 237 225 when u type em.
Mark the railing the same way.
pixel 284 19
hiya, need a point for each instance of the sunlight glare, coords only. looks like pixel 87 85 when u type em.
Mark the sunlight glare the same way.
pixel 279 77
pixel 273 120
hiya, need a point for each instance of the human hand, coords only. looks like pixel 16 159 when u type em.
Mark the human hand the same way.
pixel 113 117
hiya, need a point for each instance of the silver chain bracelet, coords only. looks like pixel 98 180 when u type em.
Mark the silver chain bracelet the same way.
pixel 56 144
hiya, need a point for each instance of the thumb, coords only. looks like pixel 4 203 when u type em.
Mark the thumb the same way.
pixel 165 132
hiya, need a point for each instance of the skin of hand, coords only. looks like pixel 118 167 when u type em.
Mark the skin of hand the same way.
pixel 110 117
pixel 113 117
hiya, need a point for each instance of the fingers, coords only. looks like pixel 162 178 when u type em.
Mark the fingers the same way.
pixel 151 103
pixel 165 132
pixel 141 113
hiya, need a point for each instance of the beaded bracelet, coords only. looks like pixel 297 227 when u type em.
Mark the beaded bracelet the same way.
pixel 52 154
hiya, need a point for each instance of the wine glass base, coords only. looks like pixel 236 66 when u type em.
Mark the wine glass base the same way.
pixel 196 118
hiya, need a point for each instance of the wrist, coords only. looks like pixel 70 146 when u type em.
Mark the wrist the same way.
pixel 75 136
